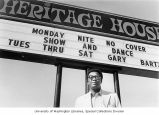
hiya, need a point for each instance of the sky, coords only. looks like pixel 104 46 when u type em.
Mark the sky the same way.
pixel 39 78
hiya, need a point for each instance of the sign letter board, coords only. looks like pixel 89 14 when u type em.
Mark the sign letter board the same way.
pixel 37 39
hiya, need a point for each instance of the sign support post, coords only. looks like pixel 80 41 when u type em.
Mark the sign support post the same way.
pixel 116 84
pixel 58 86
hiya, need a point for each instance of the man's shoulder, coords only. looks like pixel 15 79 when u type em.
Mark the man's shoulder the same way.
pixel 84 96
pixel 104 93
pixel 108 93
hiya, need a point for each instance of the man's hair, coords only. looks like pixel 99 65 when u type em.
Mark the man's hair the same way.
pixel 95 70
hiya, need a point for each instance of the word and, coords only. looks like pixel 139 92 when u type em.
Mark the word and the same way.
pixel 88 46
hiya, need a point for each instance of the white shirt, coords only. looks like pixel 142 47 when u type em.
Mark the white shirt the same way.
pixel 97 100
pixel 100 99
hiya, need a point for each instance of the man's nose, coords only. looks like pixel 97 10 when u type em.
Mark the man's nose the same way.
pixel 94 79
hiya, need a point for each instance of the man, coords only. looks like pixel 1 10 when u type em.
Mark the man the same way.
pixel 97 97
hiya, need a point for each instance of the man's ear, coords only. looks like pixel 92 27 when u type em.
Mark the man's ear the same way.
pixel 88 85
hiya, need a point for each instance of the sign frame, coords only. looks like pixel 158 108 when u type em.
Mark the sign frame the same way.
pixel 125 29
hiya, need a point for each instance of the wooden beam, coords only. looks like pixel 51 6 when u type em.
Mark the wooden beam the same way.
pixel 116 84
pixel 58 86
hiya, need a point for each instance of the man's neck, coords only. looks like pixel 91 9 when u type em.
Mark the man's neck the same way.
pixel 94 91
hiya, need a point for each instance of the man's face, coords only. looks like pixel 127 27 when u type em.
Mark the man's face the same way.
pixel 94 80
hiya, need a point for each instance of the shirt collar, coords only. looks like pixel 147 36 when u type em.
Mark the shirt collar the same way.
pixel 96 94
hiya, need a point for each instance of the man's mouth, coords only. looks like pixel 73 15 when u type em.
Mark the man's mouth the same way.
pixel 94 83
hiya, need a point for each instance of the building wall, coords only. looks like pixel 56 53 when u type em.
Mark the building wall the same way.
pixel 137 91
pixel 27 84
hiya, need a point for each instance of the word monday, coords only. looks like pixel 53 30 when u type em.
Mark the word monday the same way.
pixel 55 13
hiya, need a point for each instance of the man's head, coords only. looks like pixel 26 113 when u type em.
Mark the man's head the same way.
pixel 95 77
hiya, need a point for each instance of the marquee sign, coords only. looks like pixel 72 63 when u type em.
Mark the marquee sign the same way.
pixel 31 38
pixel 84 19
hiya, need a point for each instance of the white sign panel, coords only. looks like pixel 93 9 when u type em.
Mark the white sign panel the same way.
pixel 50 41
